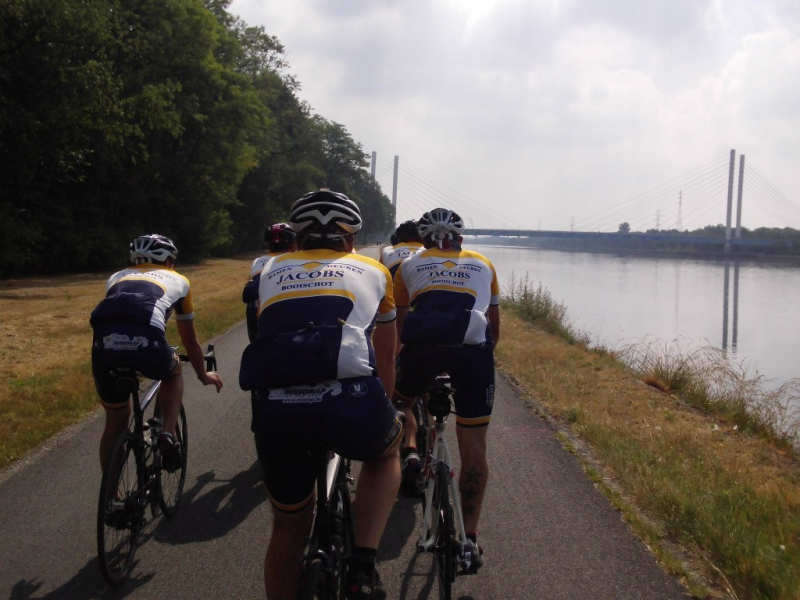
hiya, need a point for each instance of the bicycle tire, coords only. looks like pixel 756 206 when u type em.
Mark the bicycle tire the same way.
pixel 347 549
pixel 118 527
pixel 316 582
pixel 444 551
pixel 422 441
pixel 171 483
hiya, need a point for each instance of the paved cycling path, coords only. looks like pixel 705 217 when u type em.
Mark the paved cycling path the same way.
pixel 548 534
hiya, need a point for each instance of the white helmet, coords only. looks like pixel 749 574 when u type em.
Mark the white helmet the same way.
pixel 152 247
pixel 440 223
pixel 325 214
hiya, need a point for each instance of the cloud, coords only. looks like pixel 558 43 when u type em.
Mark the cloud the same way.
pixel 551 108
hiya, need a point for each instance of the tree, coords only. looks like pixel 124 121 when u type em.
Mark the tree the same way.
pixel 624 227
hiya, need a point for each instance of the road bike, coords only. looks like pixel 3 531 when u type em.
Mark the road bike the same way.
pixel 135 478
pixel 443 531
pixel 330 539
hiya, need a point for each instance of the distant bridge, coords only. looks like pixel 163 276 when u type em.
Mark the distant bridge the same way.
pixel 628 237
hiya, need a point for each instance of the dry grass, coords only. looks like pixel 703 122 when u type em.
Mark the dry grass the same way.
pixel 45 373
pixel 731 496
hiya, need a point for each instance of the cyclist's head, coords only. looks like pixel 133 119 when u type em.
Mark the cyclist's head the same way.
pixel 407 232
pixel 281 238
pixel 441 227
pixel 152 248
pixel 325 219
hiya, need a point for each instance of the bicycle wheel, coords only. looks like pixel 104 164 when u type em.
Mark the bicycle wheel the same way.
pixel 119 510
pixel 444 550
pixel 316 583
pixel 171 480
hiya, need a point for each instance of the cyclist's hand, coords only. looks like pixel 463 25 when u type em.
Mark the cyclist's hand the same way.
pixel 211 377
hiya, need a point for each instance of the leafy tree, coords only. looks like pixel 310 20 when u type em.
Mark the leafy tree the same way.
pixel 624 227
pixel 124 116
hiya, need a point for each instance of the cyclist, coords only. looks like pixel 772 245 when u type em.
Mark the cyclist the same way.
pixel 321 368
pixel 448 317
pixel 407 241
pixel 130 330
pixel 280 239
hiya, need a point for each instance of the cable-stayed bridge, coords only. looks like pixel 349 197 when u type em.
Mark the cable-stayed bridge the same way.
pixel 688 202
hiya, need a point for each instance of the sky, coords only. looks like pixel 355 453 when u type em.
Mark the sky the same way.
pixel 559 114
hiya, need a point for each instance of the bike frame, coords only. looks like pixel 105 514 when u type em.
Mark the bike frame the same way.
pixel 438 454
pixel 319 534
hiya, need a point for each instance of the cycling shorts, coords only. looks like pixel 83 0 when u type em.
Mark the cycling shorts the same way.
pixel 471 370
pixel 138 347
pixel 350 416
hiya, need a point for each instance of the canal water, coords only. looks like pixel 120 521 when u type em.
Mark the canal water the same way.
pixel 749 309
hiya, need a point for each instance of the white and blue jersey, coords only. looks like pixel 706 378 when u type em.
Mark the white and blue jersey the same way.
pixel 317 309
pixel 449 293
pixel 392 256
pixel 145 294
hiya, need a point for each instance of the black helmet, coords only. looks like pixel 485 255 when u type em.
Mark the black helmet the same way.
pixel 280 236
pixel 407 232
pixel 152 247
pixel 325 214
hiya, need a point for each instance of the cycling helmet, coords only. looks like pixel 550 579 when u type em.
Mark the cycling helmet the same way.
pixel 439 224
pixel 152 247
pixel 407 232
pixel 325 214
pixel 280 236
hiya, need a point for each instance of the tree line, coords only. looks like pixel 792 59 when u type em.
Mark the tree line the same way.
pixel 120 117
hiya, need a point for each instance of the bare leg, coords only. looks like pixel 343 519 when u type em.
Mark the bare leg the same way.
pixel 117 420
pixel 410 426
pixel 169 399
pixel 377 486
pixel 474 473
pixel 282 567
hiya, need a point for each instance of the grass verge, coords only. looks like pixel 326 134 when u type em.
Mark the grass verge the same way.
pixel 708 484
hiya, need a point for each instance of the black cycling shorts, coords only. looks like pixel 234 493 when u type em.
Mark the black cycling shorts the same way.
pixel 471 370
pixel 350 416
pixel 138 347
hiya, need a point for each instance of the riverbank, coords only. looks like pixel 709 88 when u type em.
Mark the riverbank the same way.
pixel 684 478
pixel 705 496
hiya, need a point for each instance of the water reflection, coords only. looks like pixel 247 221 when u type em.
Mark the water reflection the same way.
pixel 735 307
pixel 618 300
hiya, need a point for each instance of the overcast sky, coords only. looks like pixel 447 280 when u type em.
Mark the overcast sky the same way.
pixel 558 113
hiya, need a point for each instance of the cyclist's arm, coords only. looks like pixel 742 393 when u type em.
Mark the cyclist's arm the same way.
pixel 383 341
pixel 493 315
pixel 188 337
pixel 402 311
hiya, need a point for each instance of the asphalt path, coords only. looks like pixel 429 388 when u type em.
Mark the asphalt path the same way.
pixel 547 532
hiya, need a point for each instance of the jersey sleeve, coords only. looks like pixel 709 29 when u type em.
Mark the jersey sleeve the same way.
pixel 184 308
pixel 386 309
pixel 495 299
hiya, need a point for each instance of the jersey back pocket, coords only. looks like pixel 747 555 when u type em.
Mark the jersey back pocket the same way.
pixel 284 359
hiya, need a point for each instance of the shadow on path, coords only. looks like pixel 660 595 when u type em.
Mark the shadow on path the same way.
pixel 210 509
